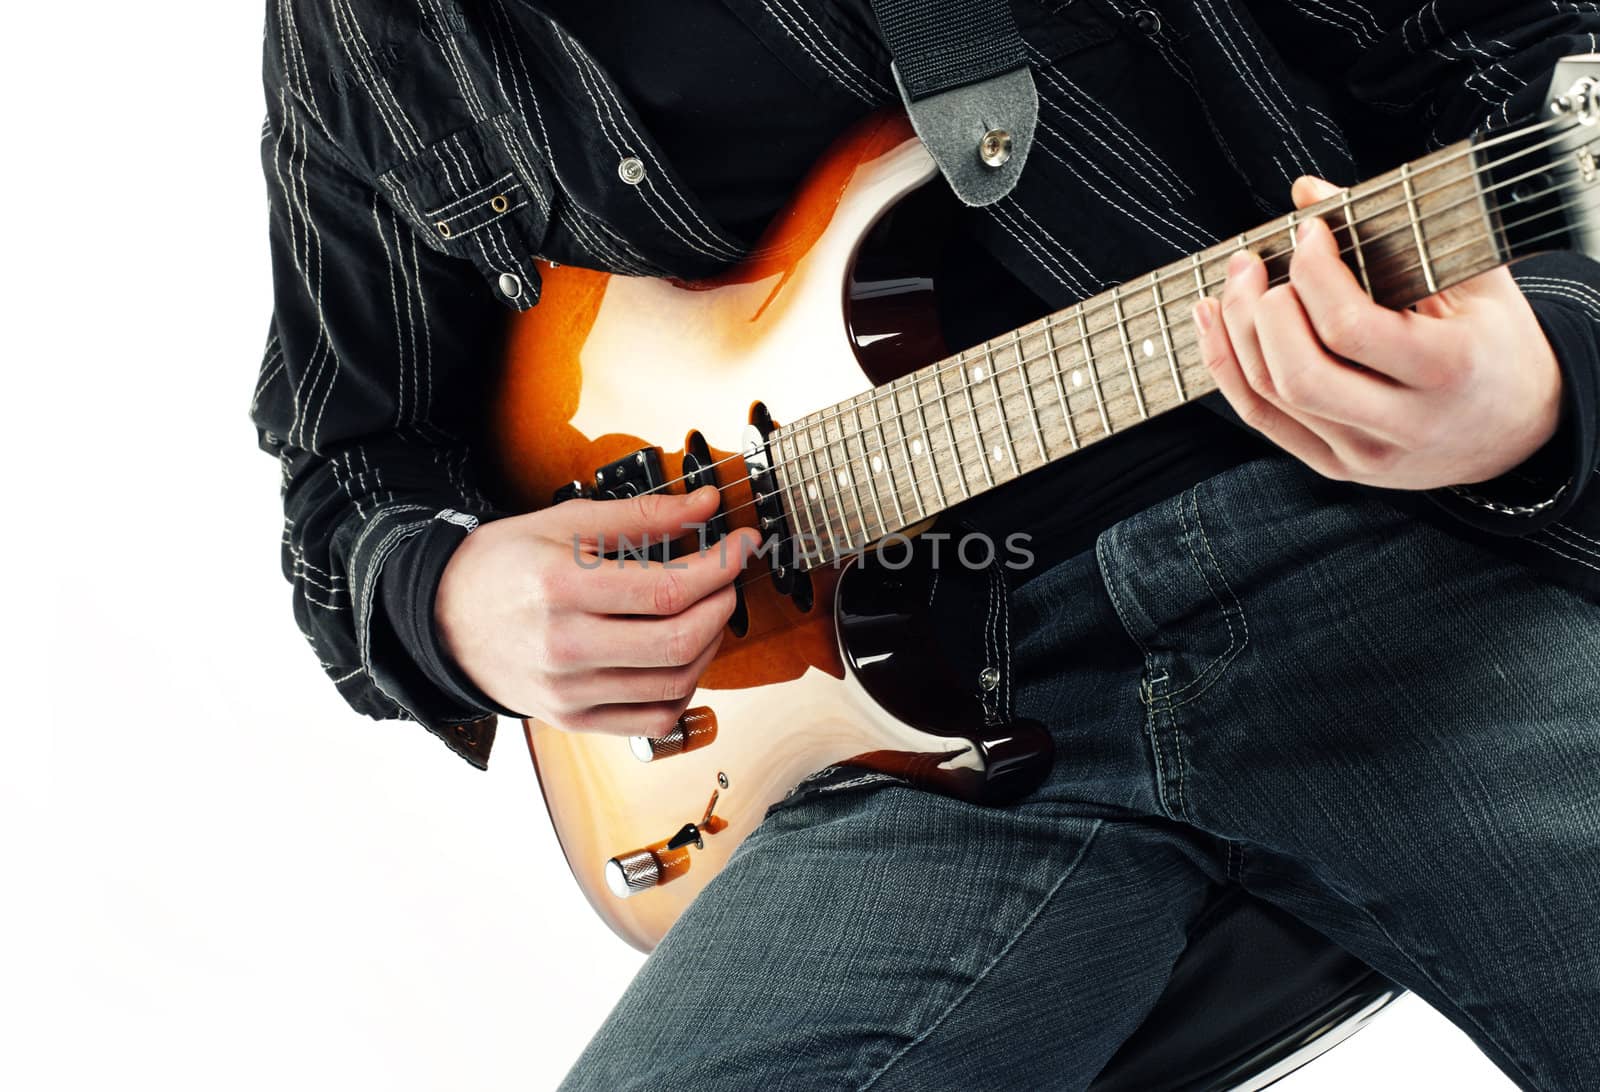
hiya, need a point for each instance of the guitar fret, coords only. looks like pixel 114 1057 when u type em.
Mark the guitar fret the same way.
pixel 883 453
pixel 845 476
pixel 869 467
pixel 1094 373
pixel 1127 353
pixel 1166 334
pixel 1199 275
pixel 1355 241
pixel 1027 391
pixel 799 504
pixel 1416 229
pixel 1000 408
pixel 816 486
pixel 1061 390
pixel 926 441
pixel 955 451
pixel 972 415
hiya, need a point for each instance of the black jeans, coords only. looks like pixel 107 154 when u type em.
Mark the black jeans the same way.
pixel 1270 680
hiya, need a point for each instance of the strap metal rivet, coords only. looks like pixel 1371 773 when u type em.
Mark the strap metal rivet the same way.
pixel 995 147
pixel 510 285
pixel 989 678
pixel 631 170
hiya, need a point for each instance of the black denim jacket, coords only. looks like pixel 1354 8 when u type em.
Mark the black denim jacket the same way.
pixel 420 155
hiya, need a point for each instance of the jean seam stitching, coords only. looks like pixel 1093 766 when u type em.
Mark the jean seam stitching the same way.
pixel 1238 607
pixel 955 1004
pixel 1002 592
pixel 1177 743
pixel 1116 600
pixel 1233 637
pixel 1155 748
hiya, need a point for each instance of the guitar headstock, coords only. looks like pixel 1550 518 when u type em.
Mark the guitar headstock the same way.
pixel 1542 180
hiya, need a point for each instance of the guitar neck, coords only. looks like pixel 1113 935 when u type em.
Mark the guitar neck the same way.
pixel 904 452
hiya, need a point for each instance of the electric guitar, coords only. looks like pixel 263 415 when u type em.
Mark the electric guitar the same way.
pixel 865 430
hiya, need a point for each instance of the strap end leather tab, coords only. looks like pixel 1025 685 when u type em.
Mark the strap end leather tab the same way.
pixel 979 134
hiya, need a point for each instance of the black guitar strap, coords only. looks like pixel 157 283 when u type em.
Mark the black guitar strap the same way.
pixel 962 69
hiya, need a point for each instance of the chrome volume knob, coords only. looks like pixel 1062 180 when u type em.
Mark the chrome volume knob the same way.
pixel 696 728
pixel 631 873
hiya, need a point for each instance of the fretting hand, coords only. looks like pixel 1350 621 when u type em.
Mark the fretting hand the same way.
pixel 1457 391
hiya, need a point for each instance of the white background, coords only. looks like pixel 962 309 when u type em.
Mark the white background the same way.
pixel 215 875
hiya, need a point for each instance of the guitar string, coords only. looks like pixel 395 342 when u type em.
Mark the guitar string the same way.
pixel 1114 382
pixel 846 519
pixel 934 447
pixel 1068 316
pixel 1156 278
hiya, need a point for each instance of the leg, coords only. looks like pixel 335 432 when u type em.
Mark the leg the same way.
pixel 874 936
pixel 1404 728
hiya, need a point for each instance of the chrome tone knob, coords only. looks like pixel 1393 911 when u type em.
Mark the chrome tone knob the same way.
pixel 631 873
pixel 696 728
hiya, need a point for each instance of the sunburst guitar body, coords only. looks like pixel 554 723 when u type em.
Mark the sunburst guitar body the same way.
pixel 610 373
pixel 810 384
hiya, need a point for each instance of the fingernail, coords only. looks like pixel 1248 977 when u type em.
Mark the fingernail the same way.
pixel 1305 230
pixel 1239 263
pixel 1202 316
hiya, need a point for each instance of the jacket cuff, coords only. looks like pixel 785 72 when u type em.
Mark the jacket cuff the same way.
pixel 1564 291
pixel 416 670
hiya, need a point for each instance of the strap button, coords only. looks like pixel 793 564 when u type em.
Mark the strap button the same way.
pixel 995 147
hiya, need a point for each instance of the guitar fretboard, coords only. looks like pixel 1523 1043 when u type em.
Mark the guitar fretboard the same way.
pixel 901 453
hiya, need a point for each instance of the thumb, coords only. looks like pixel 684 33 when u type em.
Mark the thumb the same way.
pixel 1309 189
pixel 658 515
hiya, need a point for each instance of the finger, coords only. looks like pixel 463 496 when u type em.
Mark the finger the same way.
pixel 653 684
pixel 1399 344
pixel 1245 285
pixel 627 586
pixel 1308 189
pixel 660 516
pixel 648 642
pixel 1310 383
pixel 1254 410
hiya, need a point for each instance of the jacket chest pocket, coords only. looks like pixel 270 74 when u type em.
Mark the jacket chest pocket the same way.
pixel 482 195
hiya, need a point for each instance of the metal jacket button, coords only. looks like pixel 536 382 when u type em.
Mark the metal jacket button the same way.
pixel 631 170
pixel 510 285
pixel 1147 21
